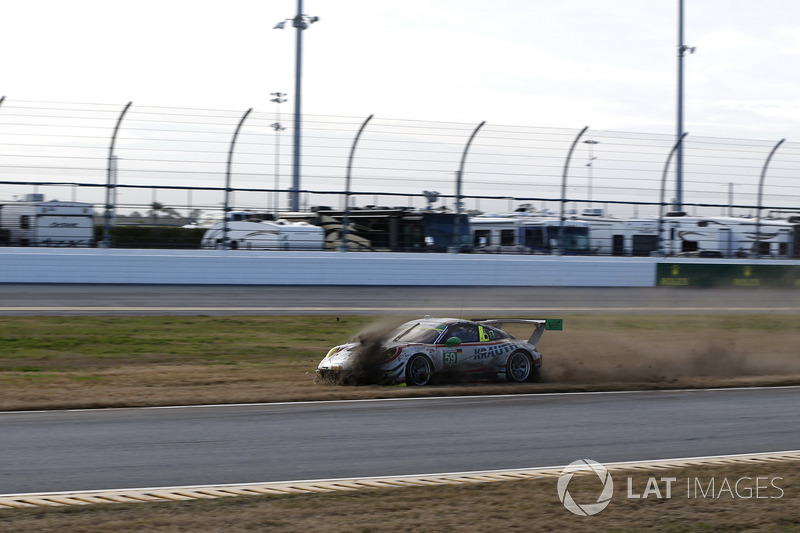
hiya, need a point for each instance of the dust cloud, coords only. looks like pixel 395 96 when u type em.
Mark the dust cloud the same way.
pixel 367 355
pixel 629 361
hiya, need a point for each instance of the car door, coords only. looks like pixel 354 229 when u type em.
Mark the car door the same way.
pixel 467 355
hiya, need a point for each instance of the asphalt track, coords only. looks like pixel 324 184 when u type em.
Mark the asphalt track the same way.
pixel 154 447
pixel 73 299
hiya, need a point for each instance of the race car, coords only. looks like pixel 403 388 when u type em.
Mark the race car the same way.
pixel 422 349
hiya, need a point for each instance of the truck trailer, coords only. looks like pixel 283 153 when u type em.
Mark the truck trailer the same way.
pixel 51 223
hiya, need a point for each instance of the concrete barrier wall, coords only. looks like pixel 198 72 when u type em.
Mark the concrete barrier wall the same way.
pixel 67 265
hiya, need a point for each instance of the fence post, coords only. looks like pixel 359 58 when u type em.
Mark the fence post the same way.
pixel 109 185
pixel 760 191
pixel 346 218
pixel 460 174
pixel 564 189
pixel 226 209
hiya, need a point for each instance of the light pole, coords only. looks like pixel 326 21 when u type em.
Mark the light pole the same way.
pixel 279 99
pixel 301 22
pixel 590 164
pixel 682 49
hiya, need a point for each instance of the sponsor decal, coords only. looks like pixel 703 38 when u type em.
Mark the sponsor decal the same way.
pixel 451 358
pixel 487 352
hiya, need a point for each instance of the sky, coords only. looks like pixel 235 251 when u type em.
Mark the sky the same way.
pixel 608 64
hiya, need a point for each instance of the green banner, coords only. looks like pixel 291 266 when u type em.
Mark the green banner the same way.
pixel 727 275
pixel 556 324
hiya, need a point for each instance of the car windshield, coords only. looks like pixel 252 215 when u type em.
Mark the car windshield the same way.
pixel 418 332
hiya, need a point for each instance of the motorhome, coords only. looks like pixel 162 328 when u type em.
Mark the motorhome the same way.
pixel 529 235
pixel 265 235
pixel 35 222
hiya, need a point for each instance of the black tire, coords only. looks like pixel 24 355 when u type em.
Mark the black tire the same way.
pixel 519 367
pixel 419 371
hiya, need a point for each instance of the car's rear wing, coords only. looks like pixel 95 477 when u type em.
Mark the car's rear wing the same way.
pixel 540 325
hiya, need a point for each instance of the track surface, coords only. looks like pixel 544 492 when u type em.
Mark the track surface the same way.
pixel 124 448
pixel 59 299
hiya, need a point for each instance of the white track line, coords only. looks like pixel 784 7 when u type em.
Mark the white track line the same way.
pixel 404 399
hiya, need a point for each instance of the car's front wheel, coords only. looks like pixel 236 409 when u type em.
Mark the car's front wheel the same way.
pixel 419 371
pixel 519 367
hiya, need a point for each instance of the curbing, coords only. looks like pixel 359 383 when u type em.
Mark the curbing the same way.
pixel 166 494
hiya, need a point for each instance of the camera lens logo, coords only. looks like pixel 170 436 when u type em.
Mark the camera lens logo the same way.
pixel 585 466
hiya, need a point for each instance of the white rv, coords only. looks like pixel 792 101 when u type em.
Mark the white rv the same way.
pixel 691 236
pixel 263 235
pixel 727 236
pixel 622 237
pixel 53 223
pixel 528 235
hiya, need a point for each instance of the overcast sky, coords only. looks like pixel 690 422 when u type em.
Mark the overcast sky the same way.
pixel 607 64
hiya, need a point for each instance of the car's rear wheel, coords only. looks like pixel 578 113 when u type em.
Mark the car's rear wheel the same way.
pixel 419 371
pixel 519 367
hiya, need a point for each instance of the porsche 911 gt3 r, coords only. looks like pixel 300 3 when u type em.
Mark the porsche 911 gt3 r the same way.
pixel 421 349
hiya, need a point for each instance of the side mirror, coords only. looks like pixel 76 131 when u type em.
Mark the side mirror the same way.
pixel 452 341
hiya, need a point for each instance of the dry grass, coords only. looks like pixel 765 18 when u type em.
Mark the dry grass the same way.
pixel 530 505
pixel 60 362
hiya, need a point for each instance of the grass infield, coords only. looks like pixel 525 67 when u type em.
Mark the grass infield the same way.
pixel 84 362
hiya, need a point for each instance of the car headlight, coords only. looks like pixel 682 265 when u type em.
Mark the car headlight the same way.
pixel 388 353
pixel 332 351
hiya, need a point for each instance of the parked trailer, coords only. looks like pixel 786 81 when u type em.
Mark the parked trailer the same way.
pixel 396 229
pixel 529 235
pixel 52 223
pixel 692 236
pixel 622 237
pixel 729 236
pixel 264 235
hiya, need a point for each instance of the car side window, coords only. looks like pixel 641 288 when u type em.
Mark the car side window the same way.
pixel 465 332
pixel 488 334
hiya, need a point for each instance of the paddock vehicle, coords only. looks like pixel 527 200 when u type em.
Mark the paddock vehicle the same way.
pixel 529 235
pixel 420 350
pixel 264 235
pixel 694 236
pixel 395 229
pixel 35 222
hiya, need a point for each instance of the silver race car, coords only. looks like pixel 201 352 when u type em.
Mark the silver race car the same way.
pixel 420 350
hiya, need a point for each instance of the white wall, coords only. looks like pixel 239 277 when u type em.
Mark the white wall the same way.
pixel 71 265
